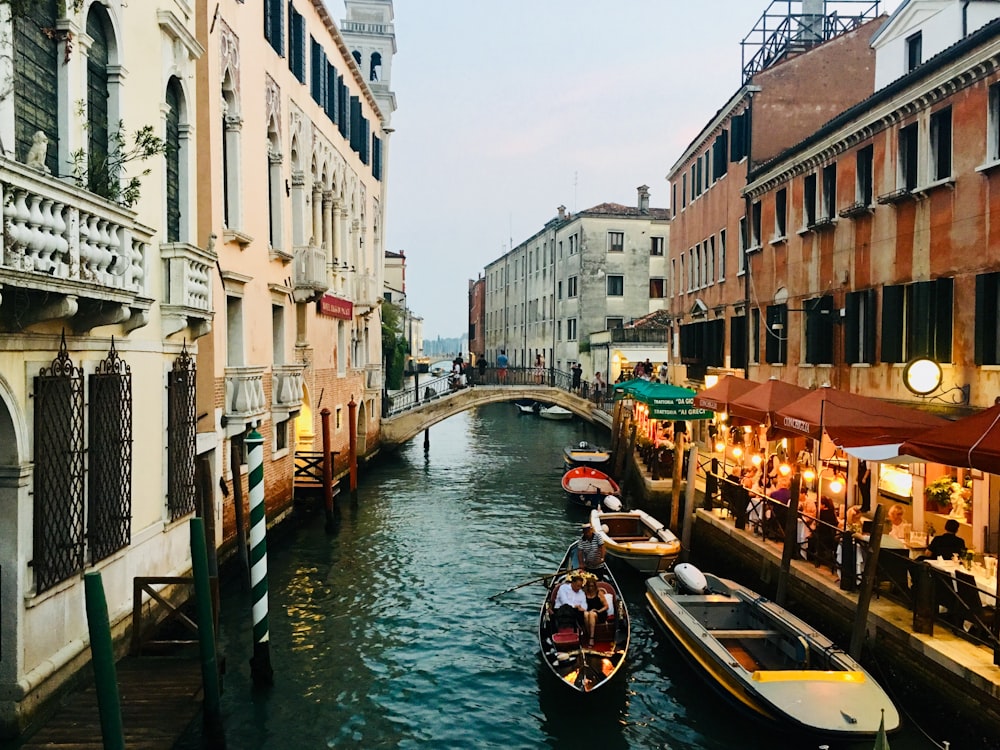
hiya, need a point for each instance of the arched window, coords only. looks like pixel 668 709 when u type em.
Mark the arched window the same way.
pixel 173 159
pixel 357 57
pixel 274 188
pixel 376 67
pixel 36 69
pixel 99 176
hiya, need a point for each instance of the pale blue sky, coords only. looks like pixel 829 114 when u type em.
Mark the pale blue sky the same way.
pixel 507 110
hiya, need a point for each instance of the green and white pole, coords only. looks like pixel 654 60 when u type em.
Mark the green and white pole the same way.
pixel 260 663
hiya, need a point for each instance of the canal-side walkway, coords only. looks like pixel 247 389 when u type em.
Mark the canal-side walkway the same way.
pixel 160 697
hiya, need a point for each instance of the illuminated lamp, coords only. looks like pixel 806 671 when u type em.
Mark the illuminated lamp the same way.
pixel 737 451
pixel 711 380
pixel 922 376
pixel 836 484
pixel 784 470
pixel 720 446
pixel 756 460
pixel 808 474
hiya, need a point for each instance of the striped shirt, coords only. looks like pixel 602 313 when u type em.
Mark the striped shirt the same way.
pixel 589 550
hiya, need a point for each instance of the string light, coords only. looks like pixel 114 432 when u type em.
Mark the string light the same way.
pixel 755 459
pixel 784 470
pixel 808 474
pixel 836 484
pixel 720 446
pixel 737 451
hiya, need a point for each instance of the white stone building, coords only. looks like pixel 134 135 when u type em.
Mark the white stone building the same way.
pixel 582 273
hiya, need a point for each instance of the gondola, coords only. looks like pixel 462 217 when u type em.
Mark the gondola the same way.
pixel 769 662
pixel 527 406
pixel 564 649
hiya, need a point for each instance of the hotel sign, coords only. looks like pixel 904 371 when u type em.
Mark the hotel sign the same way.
pixel 335 307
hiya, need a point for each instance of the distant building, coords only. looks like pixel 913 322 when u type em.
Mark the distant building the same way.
pixel 591 271
pixel 477 317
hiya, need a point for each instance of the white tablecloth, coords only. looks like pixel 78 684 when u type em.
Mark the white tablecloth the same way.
pixel 987 586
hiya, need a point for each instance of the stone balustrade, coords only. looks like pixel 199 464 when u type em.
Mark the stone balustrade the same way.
pixel 188 300
pixel 310 276
pixel 286 390
pixel 244 397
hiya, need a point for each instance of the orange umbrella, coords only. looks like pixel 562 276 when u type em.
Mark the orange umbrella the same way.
pixel 718 397
pixel 760 404
pixel 973 442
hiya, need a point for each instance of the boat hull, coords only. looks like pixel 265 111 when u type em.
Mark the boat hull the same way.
pixel 585 454
pixel 555 412
pixel 768 661
pixel 638 539
pixel 581 667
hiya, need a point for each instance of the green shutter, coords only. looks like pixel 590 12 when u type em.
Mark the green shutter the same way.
pixel 99 174
pixel 892 324
pixel 943 291
pixel 173 160
pixel 738 342
pixel 36 69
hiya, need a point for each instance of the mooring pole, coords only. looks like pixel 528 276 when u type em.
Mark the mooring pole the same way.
pixel 203 595
pixel 675 488
pixel 260 663
pixel 791 545
pixel 235 461
pixel 102 652
pixel 860 629
pixel 427 439
pixel 327 470
pixel 352 418
pixel 689 491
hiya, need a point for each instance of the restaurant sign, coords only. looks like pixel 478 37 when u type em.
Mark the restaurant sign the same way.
pixel 335 307
pixel 675 408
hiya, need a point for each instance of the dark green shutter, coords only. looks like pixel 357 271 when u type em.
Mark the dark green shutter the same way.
pixel 274 25
pixel 738 342
pixel 986 318
pixel 36 70
pixel 173 160
pixel 99 176
pixel 819 331
pixel 892 324
pixel 943 291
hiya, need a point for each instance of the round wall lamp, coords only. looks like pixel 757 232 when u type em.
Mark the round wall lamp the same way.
pixel 922 376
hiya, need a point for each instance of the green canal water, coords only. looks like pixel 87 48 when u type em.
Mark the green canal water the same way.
pixel 383 634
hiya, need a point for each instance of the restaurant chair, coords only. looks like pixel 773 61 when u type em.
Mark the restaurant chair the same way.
pixel 979 617
pixel 894 569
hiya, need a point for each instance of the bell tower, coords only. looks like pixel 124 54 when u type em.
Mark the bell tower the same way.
pixel 369 35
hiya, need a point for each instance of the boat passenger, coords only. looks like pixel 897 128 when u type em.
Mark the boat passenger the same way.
pixel 597 608
pixel 590 548
pixel 570 601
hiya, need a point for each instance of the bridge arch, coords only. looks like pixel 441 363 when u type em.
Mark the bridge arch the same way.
pixel 399 428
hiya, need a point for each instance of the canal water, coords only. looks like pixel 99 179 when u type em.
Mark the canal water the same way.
pixel 383 634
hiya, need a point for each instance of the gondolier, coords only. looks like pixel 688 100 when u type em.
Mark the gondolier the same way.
pixel 590 548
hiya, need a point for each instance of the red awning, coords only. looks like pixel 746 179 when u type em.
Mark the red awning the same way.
pixel 760 404
pixel 972 442
pixel 719 396
pixel 851 420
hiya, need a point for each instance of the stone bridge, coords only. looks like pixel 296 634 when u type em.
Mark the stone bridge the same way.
pixel 399 428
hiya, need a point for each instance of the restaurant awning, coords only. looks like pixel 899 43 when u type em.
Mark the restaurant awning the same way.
pixel 972 442
pixel 760 404
pixel 664 401
pixel 850 419
pixel 718 397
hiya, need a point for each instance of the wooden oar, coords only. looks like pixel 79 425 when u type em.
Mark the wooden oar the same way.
pixel 526 583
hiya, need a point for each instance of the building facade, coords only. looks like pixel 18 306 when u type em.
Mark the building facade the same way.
pixel 714 230
pixel 582 273
pixel 105 292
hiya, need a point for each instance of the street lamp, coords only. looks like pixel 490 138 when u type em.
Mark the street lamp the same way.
pixel 923 376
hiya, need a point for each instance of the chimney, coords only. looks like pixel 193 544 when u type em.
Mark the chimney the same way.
pixel 562 213
pixel 643 199
pixel 812 21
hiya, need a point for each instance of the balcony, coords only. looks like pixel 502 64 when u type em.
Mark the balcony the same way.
pixel 188 302
pixel 286 390
pixel 366 292
pixel 69 254
pixel 311 279
pixel 373 378
pixel 244 399
pixel 640 335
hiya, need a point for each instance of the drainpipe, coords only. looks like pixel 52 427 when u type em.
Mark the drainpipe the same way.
pixel 747 210
pixel 965 18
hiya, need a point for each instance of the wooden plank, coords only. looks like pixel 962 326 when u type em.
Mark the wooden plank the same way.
pixel 159 699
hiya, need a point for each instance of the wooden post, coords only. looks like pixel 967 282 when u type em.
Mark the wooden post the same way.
pixel 924 604
pixel 427 439
pixel 352 416
pixel 206 508
pixel 689 500
pixel 675 490
pixel 327 470
pixel 212 713
pixel 791 541
pixel 868 584
pixel 103 659
pixel 235 449
pixel 628 456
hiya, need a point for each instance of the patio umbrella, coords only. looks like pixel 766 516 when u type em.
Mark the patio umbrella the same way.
pixel 851 420
pixel 666 401
pixel 972 442
pixel 760 404
pixel 718 397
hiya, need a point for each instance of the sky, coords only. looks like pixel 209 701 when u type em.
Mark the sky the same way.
pixel 508 109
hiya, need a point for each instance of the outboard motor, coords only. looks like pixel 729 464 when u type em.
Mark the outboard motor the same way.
pixel 612 503
pixel 690 580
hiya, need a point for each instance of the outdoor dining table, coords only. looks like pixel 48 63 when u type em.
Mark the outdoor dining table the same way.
pixel 987 585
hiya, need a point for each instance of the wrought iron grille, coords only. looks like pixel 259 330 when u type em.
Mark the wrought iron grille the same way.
pixel 109 485
pixel 181 438
pixel 58 478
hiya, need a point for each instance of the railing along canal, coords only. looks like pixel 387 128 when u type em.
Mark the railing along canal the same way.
pixel 934 596
pixel 422 391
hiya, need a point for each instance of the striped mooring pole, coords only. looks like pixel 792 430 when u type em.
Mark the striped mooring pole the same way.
pixel 260 663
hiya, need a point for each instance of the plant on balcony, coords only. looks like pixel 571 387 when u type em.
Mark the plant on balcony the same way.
pixel 103 175
pixel 941 489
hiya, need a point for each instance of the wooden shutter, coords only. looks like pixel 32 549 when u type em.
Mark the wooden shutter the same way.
pixel 36 70
pixel 986 318
pixel 819 330
pixel 738 342
pixel 943 294
pixel 892 324
pixel 173 160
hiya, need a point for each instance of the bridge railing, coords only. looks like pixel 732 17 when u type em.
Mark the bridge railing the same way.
pixel 440 386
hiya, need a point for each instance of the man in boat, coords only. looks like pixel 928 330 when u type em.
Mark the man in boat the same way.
pixel 571 602
pixel 590 548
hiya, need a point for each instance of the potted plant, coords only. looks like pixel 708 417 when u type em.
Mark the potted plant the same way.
pixel 940 491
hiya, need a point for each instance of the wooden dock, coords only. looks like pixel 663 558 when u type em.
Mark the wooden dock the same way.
pixel 160 697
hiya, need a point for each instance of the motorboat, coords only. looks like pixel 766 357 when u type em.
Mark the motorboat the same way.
pixel 771 663
pixel 586 485
pixel 637 538
pixel 585 454
pixel 555 412
pixel 527 406
pixel 565 649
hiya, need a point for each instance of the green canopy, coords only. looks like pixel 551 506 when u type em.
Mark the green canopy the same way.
pixel 664 401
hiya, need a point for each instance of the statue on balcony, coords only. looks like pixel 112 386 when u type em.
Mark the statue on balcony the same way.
pixel 37 152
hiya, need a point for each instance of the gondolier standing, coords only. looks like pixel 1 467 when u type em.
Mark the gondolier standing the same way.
pixel 590 548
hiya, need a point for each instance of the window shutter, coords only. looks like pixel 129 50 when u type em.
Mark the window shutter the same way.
pixel 738 342
pixel 943 291
pixel 986 316
pixel 892 324
pixel 852 332
pixel 355 123
pixel 738 145
pixel 716 343
pixel 36 69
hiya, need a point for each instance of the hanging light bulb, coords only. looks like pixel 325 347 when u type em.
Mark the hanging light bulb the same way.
pixel 836 484
pixel 755 459
pixel 808 474
pixel 721 417
pixel 737 451
pixel 720 446
pixel 784 470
